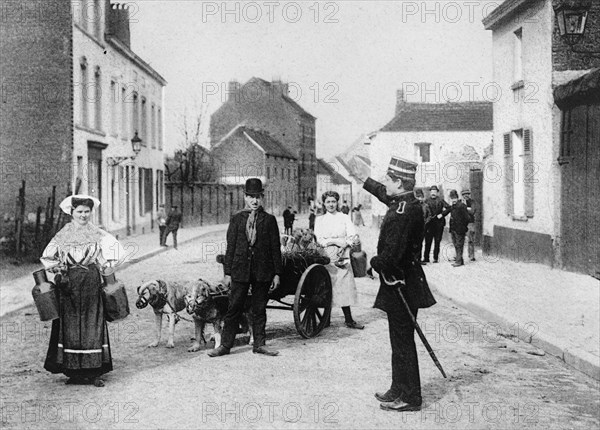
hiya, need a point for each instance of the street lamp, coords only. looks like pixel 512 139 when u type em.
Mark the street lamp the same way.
pixel 136 145
pixel 571 16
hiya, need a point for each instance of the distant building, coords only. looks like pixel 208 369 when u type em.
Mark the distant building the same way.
pixel 246 152
pixel 92 93
pixel 542 178
pixel 328 179
pixel 447 140
pixel 267 106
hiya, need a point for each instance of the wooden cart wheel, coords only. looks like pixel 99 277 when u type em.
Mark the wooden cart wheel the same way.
pixel 312 303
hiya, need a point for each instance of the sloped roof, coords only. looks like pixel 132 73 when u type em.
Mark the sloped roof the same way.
pixel 265 141
pixel 268 143
pixel 584 87
pixel 326 169
pixel 469 116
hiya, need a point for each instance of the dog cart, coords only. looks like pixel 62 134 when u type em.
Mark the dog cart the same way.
pixel 307 280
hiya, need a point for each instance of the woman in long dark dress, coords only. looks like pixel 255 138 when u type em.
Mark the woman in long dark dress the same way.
pixel 78 254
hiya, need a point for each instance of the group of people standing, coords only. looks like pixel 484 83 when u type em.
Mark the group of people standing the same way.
pixel 80 253
pixel 168 224
pixel 462 223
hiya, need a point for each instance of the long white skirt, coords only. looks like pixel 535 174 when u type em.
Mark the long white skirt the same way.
pixel 342 280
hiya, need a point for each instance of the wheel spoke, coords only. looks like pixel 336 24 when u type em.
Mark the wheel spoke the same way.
pixel 319 314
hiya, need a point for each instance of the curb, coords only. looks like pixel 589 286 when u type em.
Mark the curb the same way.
pixel 160 250
pixel 147 255
pixel 576 358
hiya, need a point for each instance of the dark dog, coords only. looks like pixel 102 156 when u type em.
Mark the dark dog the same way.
pixel 201 303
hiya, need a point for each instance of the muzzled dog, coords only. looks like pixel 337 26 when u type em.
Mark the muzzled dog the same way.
pixel 205 308
pixel 165 298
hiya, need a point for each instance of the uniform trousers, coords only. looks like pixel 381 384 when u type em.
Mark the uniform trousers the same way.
pixel 237 300
pixel 406 380
pixel 433 232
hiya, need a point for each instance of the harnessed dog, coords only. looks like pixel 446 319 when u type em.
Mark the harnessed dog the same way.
pixel 208 304
pixel 166 298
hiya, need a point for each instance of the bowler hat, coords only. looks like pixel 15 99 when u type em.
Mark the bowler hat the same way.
pixel 466 191
pixel 453 194
pixel 434 187
pixel 253 187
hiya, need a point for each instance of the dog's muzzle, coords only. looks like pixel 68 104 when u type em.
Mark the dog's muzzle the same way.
pixel 141 302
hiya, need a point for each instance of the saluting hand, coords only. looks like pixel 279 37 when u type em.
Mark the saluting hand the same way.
pixel 227 281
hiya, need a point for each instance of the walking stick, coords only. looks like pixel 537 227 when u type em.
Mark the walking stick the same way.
pixel 399 284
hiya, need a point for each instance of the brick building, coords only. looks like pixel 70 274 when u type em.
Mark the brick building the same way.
pixel 524 198
pixel 92 94
pixel 246 152
pixel 447 140
pixel 36 131
pixel 267 106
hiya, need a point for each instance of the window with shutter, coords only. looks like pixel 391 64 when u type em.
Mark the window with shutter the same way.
pixel 508 175
pixel 530 171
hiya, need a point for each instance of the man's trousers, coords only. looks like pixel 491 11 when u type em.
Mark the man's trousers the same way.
pixel 406 380
pixel 237 299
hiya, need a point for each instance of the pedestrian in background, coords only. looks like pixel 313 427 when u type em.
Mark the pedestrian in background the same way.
pixel 253 258
pixel 161 220
pixel 173 223
pixel 426 218
pixel 288 220
pixel 345 208
pixel 466 195
pixel 459 219
pixel 357 217
pixel 435 227
pixel 312 214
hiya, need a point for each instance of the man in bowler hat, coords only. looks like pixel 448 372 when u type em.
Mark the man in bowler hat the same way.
pixel 435 227
pixel 398 250
pixel 466 195
pixel 253 258
pixel 459 220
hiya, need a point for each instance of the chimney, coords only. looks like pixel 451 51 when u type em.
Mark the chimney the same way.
pixel 232 90
pixel 400 100
pixel 118 23
pixel 279 88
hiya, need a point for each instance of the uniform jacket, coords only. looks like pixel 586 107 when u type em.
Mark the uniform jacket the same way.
pixel 436 207
pixel 459 218
pixel 263 260
pixel 398 248
pixel 173 220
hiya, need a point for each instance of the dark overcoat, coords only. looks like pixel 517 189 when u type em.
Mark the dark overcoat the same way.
pixel 459 218
pixel 398 249
pixel 263 260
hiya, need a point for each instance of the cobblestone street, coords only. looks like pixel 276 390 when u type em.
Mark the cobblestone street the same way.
pixel 493 380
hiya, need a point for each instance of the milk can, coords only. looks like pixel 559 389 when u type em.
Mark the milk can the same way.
pixel 116 304
pixel 44 296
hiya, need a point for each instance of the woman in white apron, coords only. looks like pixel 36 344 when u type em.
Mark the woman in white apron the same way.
pixel 336 233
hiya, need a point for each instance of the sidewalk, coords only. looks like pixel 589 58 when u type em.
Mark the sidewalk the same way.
pixel 16 294
pixel 554 310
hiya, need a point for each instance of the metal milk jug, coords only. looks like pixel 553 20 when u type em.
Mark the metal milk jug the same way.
pixel 44 296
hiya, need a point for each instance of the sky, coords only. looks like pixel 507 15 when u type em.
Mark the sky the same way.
pixel 344 60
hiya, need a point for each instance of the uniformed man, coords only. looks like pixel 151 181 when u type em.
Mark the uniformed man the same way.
pixel 397 252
